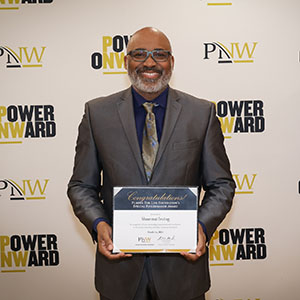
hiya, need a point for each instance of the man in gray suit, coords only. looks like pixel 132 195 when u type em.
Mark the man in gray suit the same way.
pixel 109 153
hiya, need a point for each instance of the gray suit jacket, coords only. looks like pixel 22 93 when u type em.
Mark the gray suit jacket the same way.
pixel 191 153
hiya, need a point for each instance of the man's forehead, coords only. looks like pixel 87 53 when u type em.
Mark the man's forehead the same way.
pixel 149 39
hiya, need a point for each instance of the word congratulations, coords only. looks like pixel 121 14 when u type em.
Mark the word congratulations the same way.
pixel 134 196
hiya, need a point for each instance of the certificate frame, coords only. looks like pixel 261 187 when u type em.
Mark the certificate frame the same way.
pixel 155 219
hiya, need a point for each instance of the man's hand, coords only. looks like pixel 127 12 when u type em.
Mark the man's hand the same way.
pixel 105 244
pixel 200 250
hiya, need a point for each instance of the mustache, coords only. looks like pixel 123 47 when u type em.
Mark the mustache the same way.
pixel 145 69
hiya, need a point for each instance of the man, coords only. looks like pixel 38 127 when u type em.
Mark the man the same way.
pixel 110 149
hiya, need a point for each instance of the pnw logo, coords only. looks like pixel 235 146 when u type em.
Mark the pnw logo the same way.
pixel 26 190
pixel 24 57
pixel 18 252
pixel 111 60
pixel 19 122
pixel 245 116
pixel 230 245
pixel 233 53
pixel 244 183
pixel 15 4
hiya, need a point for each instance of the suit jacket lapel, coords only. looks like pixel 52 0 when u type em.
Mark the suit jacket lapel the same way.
pixel 172 114
pixel 126 114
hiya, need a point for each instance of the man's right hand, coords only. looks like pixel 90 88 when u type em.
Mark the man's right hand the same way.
pixel 105 244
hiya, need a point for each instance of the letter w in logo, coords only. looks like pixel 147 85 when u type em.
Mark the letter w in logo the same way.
pixel 244 184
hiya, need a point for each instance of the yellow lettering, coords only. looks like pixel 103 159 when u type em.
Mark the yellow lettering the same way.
pixel 10 1
pixel 4 241
pixel 106 42
pixel 240 53
pixel 214 237
pixel 4 130
pixel 228 251
pixel 33 51
pixel 20 258
pixel 227 124
pixel 2 112
pixel 245 179
pixel 16 129
pixel 108 60
pixel 36 185
pixel 6 259
pixel 32 190
pixel 214 252
pixel 119 59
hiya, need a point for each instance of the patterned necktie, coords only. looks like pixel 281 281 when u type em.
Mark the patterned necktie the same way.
pixel 150 141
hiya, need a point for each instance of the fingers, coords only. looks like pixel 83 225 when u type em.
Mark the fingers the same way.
pixel 104 237
pixel 201 247
pixel 105 244
pixel 190 256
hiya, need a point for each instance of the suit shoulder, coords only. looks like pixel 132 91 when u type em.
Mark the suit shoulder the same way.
pixel 109 99
pixel 188 99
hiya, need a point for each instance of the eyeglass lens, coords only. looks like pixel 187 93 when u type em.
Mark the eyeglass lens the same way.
pixel 158 55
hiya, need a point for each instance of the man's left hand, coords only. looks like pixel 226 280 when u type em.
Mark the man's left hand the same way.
pixel 201 246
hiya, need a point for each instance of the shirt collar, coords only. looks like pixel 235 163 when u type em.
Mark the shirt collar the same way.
pixel 161 100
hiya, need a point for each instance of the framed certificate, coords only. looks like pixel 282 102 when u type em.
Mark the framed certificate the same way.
pixel 155 219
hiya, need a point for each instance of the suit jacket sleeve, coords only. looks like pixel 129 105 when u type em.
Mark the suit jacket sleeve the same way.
pixel 84 187
pixel 216 177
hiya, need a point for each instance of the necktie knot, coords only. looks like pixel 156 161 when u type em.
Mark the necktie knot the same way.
pixel 148 106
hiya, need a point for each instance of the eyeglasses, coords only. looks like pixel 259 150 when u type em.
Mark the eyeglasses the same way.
pixel 142 55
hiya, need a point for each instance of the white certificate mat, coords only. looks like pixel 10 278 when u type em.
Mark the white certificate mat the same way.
pixel 155 219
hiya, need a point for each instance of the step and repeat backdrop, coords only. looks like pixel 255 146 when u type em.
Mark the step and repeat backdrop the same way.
pixel 244 55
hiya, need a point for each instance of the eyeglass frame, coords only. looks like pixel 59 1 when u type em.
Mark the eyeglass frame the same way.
pixel 150 53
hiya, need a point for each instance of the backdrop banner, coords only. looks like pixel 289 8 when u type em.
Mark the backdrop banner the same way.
pixel 243 55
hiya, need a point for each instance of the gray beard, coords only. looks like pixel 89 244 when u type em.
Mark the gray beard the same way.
pixel 149 85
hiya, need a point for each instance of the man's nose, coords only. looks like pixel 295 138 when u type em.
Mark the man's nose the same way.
pixel 150 62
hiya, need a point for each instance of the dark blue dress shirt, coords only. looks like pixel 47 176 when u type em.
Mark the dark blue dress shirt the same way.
pixel 140 113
